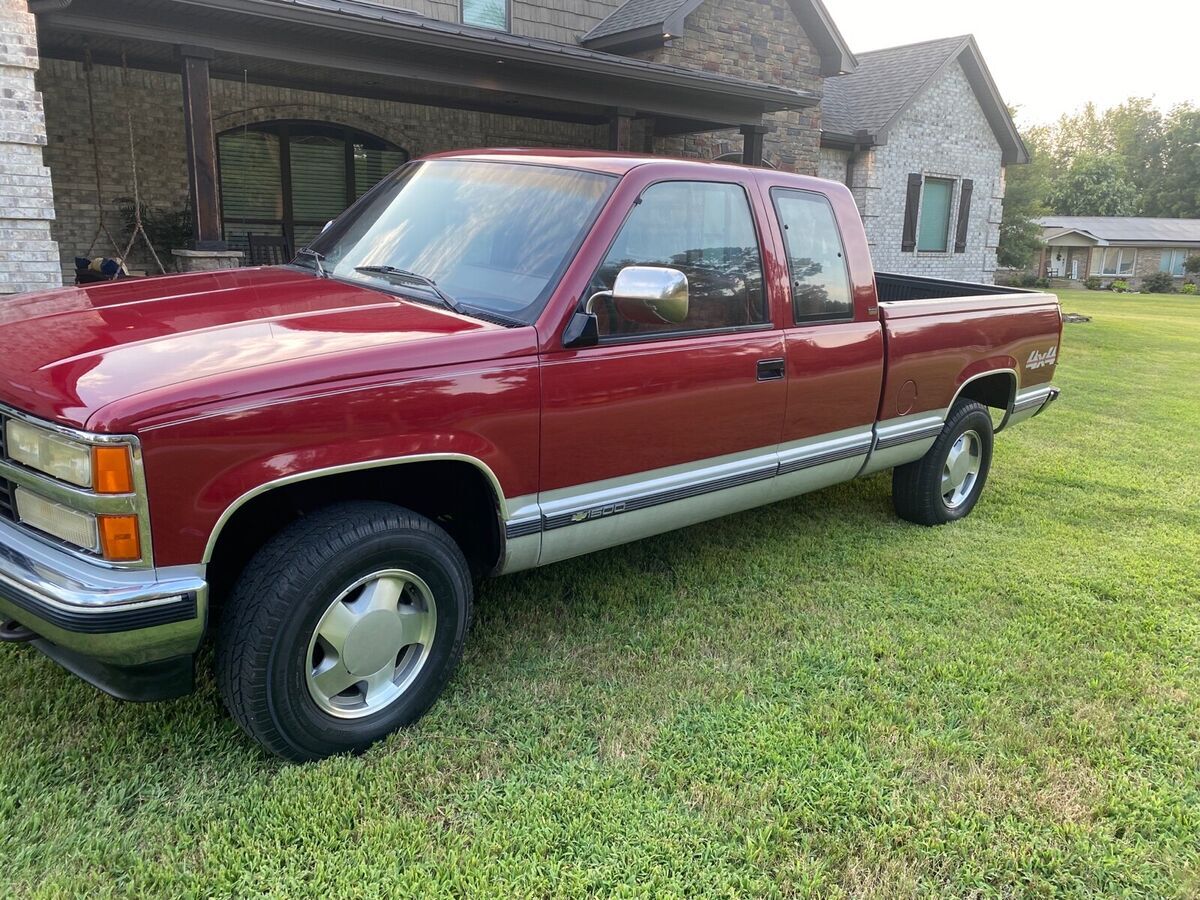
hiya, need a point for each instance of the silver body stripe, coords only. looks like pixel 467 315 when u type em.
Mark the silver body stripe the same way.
pixel 571 521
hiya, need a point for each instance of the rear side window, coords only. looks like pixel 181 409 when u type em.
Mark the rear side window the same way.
pixel 819 279
pixel 703 229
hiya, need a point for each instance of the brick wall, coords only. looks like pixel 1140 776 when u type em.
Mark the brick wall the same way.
pixel 759 40
pixel 156 101
pixel 28 255
pixel 944 133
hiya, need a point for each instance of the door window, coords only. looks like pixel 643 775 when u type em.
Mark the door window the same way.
pixel 816 261
pixel 706 231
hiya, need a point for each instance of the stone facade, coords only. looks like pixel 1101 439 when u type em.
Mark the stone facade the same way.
pixel 28 255
pixel 943 134
pixel 760 41
pixel 156 101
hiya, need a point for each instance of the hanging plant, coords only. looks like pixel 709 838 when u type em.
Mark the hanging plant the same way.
pixel 167 228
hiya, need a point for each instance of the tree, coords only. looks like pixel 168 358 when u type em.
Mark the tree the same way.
pixel 1094 185
pixel 1176 191
pixel 1025 190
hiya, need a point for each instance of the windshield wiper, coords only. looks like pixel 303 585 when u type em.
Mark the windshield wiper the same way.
pixel 318 258
pixel 397 274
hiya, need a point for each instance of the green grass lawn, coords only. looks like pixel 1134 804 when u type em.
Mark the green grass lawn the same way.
pixel 814 699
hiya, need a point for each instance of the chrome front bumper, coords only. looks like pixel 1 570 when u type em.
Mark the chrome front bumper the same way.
pixel 93 619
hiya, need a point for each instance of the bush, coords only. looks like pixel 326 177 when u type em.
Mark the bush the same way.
pixel 1158 283
pixel 1188 288
pixel 1041 283
pixel 1120 285
pixel 1026 280
pixel 1092 282
pixel 1191 265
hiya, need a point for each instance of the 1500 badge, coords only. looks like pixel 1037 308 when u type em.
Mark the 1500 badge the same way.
pixel 1044 358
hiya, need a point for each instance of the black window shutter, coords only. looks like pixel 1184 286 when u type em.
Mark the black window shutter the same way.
pixel 964 215
pixel 911 205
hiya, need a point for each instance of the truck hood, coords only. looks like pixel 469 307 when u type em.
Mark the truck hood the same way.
pixel 107 356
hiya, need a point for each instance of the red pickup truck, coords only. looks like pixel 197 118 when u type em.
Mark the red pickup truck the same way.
pixel 493 361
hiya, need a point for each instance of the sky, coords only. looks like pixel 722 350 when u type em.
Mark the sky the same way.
pixel 1050 58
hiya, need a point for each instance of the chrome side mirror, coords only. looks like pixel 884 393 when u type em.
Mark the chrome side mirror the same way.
pixel 651 295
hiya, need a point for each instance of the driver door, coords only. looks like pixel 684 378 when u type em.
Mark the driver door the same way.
pixel 662 425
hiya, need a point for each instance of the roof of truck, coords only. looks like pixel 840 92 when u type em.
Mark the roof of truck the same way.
pixel 605 161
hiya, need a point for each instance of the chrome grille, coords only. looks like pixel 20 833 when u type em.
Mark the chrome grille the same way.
pixel 8 506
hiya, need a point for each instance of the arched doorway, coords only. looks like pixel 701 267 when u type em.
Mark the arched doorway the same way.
pixel 288 178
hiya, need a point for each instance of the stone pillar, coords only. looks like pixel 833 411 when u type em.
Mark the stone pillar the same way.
pixel 28 257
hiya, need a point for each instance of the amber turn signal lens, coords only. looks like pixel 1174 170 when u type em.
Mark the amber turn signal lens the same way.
pixel 119 539
pixel 111 470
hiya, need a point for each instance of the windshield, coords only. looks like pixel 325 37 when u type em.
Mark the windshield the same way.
pixel 494 237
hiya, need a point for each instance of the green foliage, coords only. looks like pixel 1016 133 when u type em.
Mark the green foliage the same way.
pixel 1188 288
pixel 1092 282
pixel 1094 186
pixel 1119 286
pixel 1191 265
pixel 1158 283
pixel 1024 192
pixel 1151 161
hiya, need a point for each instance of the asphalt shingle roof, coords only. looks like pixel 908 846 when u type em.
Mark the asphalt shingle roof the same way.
pixel 882 85
pixel 636 14
pixel 1117 229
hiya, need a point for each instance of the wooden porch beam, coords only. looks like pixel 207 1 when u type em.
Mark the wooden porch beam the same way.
pixel 201 148
pixel 752 144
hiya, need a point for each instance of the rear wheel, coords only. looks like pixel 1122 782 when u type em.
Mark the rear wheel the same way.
pixel 344 627
pixel 944 485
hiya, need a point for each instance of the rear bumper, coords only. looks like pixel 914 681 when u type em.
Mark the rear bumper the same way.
pixel 1030 402
pixel 130 632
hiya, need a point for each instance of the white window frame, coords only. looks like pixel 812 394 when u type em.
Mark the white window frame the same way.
pixel 1174 253
pixel 1121 255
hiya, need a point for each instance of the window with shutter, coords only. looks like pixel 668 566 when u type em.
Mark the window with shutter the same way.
pixel 287 179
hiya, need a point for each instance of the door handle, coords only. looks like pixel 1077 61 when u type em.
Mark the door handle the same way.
pixel 770 369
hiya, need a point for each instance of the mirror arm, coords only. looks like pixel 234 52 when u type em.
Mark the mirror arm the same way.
pixel 590 306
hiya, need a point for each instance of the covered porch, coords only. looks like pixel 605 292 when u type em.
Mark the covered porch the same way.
pixel 255 121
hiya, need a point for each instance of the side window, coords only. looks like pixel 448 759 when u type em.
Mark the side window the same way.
pixel 706 231
pixel 820 282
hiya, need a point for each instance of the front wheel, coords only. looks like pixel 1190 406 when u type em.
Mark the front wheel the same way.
pixel 944 485
pixel 345 627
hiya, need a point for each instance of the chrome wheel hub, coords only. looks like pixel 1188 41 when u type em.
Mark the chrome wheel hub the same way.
pixel 961 470
pixel 371 644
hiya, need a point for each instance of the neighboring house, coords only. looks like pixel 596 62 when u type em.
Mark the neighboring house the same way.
pixel 260 120
pixel 1116 247
pixel 922 137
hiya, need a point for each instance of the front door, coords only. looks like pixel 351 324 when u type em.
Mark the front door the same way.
pixel 659 425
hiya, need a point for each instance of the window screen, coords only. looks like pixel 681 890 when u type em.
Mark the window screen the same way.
pixel 703 229
pixel 819 279
pixel 935 214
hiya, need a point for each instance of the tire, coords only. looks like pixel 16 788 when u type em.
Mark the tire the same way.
pixel 294 629
pixel 918 489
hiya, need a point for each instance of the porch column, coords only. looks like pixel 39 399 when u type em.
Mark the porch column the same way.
pixel 30 261
pixel 752 144
pixel 620 130
pixel 201 148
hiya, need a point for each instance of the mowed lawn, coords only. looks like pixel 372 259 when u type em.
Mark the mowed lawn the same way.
pixel 813 699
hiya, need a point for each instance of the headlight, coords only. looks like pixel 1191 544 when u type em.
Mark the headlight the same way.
pixel 65 524
pixel 47 452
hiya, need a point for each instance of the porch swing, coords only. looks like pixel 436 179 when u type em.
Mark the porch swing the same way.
pixel 89 269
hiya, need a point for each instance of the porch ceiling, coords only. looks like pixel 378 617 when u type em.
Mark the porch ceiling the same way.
pixel 340 46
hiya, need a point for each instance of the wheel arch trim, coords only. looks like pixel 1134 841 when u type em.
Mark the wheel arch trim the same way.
pixel 1000 370
pixel 327 471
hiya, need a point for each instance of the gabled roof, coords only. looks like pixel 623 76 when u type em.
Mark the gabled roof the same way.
pixel 861 107
pixel 1124 229
pixel 638 24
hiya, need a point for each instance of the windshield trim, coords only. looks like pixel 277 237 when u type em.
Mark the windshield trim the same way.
pixel 528 314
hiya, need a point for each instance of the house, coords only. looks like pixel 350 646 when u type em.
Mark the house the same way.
pixel 922 138
pixel 251 123
pixel 1116 247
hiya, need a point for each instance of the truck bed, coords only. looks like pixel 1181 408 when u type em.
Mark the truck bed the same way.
pixel 893 288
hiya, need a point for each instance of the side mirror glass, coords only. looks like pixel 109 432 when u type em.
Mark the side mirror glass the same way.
pixel 651 295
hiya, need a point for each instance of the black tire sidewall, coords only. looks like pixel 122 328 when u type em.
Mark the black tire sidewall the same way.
pixel 972 417
pixel 314 732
